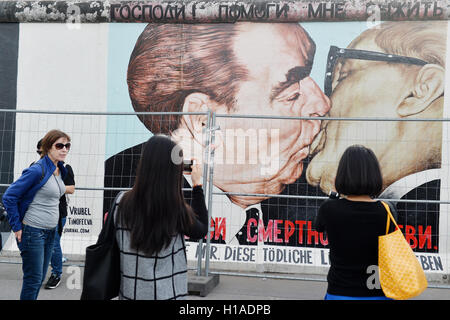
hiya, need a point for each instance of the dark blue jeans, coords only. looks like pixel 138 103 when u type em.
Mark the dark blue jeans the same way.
pixel 56 261
pixel 36 249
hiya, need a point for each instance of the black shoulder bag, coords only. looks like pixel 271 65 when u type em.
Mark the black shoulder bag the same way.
pixel 102 265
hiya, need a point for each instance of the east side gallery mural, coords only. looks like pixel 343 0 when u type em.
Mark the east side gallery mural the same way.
pixel 265 69
pixel 390 71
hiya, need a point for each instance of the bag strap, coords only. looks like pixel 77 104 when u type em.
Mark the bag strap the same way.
pixel 114 205
pixel 108 230
pixel 389 217
pixel 42 169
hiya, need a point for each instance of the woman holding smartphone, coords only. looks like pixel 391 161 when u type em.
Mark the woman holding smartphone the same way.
pixel 151 222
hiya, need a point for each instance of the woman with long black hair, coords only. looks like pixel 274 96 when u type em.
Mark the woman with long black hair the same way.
pixel 152 220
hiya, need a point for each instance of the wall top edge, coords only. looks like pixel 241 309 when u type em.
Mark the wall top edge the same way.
pixel 222 11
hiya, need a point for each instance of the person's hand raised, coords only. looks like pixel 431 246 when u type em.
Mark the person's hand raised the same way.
pixel 197 173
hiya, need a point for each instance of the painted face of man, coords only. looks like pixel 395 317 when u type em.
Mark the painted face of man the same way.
pixel 374 89
pixel 263 155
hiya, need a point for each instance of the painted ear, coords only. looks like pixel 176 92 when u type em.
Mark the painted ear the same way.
pixel 196 102
pixel 428 86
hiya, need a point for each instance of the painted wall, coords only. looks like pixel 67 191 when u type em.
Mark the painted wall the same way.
pixel 271 69
pixel 220 11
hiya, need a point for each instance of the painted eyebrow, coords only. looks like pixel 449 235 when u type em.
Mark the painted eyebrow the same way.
pixel 294 75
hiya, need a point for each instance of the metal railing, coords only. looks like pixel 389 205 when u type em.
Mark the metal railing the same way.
pixel 209 139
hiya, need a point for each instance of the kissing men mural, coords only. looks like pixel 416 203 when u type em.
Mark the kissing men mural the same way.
pixel 273 70
pixel 263 69
pixel 394 70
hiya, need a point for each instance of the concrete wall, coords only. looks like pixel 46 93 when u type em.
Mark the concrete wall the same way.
pixel 227 60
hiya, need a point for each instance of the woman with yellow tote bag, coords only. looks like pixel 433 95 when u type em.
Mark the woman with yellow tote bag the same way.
pixel 401 275
pixel 353 222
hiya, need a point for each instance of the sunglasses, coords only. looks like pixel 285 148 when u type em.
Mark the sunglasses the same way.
pixel 59 146
pixel 335 53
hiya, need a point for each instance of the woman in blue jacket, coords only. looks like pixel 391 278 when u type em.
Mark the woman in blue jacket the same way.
pixel 32 206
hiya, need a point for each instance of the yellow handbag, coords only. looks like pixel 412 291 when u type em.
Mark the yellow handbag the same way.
pixel 401 275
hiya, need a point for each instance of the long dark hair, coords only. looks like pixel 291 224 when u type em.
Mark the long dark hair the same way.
pixel 359 172
pixel 154 210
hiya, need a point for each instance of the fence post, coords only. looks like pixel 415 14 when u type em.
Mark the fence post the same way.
pixel 210 189
pixel 206 143
pixel 202 284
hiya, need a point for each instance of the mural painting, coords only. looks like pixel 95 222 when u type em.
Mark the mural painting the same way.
pixel 267 69
pixel 325 72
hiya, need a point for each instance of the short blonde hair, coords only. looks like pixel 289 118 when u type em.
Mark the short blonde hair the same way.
pixel 425 40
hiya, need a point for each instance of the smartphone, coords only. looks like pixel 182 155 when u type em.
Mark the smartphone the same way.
pixel 187 165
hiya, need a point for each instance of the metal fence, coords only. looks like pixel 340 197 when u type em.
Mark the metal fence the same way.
pixel 249 161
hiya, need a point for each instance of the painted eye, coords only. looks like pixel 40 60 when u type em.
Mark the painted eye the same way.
pixel 342 76
pixel 293 97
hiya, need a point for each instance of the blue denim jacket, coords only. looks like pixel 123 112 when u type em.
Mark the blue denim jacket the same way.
pixel 21 192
